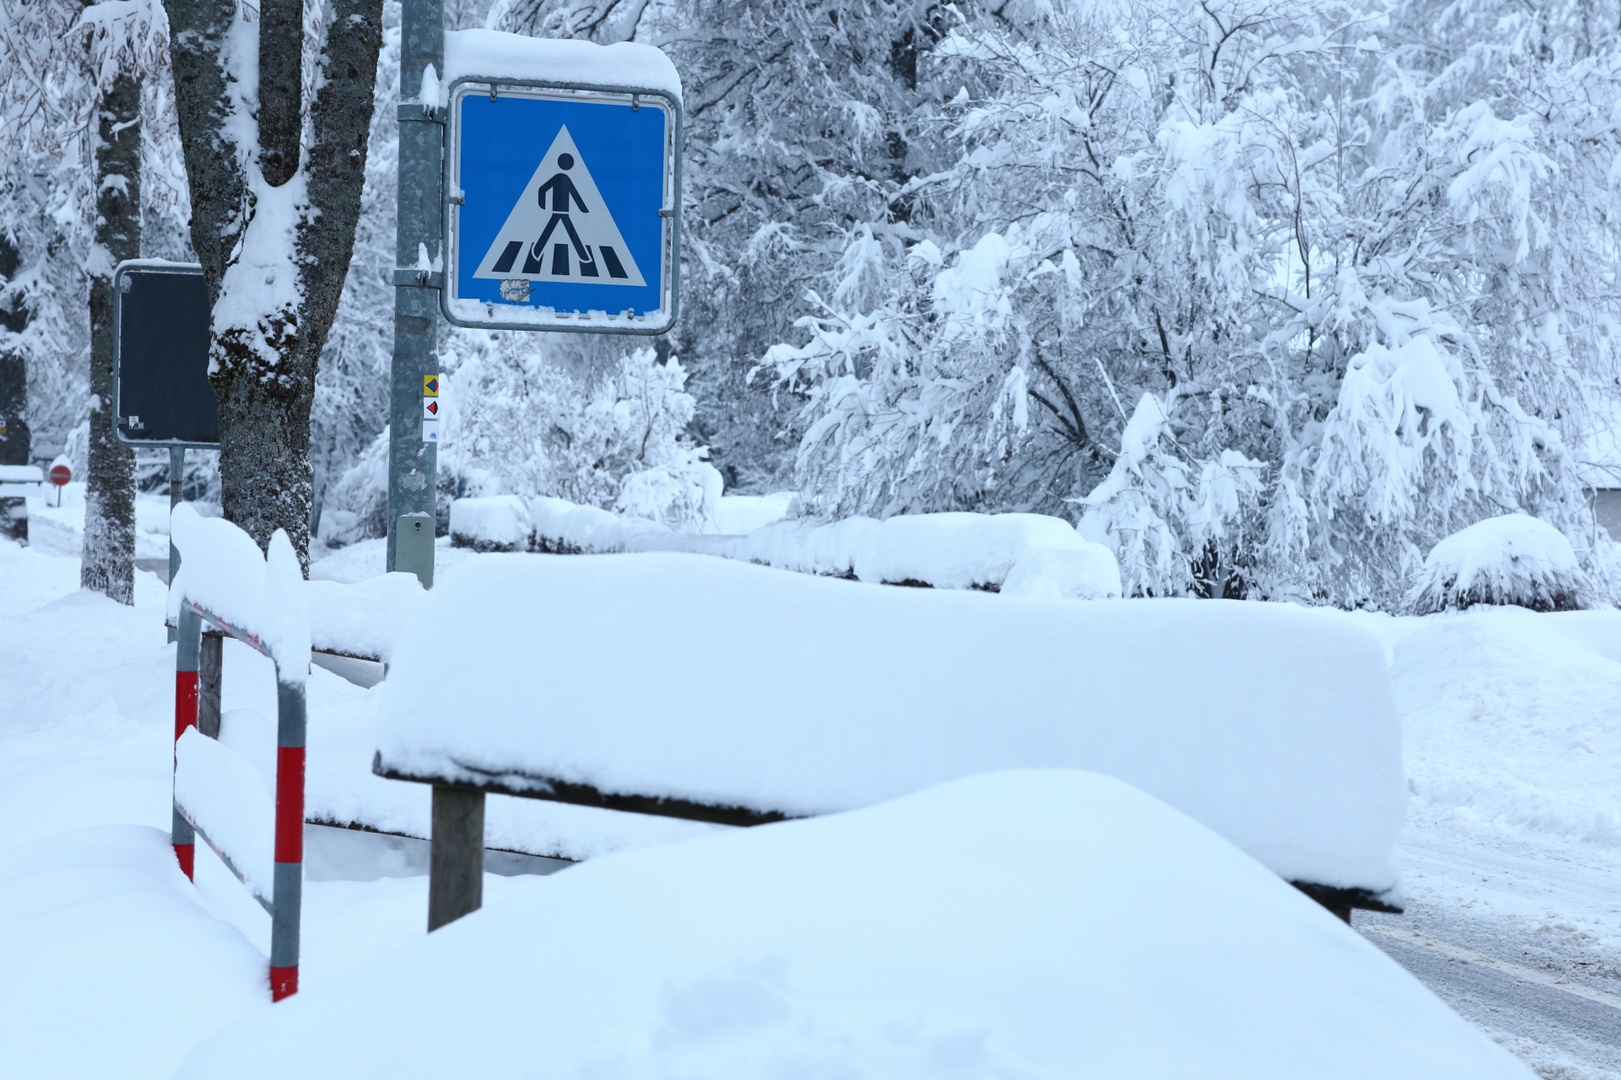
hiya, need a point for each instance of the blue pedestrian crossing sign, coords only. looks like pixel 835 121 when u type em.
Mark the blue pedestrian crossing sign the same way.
pixel 562 208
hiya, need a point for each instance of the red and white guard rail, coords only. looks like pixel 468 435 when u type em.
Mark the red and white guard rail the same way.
pixel 288 880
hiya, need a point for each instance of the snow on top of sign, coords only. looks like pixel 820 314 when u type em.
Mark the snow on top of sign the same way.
pixel 221 569
pixel 1272 724
pixel 158 264
pixel 487 54
pixel 1034 924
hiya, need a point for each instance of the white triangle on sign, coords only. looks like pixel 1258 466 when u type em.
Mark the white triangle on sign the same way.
pixel 559 230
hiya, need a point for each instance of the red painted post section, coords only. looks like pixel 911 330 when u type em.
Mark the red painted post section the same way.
pixel 290 804
pixel 185 702
pixel 283 982
pixel 185 716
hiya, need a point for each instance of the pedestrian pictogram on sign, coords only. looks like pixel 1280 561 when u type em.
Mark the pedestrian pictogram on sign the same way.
pixel 562 207
pixel 560 229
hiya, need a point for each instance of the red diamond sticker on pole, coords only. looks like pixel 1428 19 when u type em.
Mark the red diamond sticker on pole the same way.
pixel 430 408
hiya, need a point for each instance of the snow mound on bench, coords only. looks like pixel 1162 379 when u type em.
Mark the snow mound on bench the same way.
pixel 1512 559
pixel 735 685
pixel 1022 924
pixel 365 618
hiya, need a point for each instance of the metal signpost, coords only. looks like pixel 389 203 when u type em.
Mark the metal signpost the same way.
pixel 161 393
pixel 526 205
pixel 544 206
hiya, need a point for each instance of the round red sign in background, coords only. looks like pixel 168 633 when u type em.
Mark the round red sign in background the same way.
pixel 60 475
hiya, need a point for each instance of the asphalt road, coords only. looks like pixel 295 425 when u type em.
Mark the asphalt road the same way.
pixel 1521 944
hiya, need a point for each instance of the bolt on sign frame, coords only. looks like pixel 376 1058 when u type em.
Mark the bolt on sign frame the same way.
pixel 288 881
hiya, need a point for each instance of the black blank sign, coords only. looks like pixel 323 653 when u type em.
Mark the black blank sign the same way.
pixel 161 388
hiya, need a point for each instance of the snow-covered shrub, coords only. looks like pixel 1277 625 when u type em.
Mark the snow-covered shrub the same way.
pixel 529 418
pixel 682 494
pixel 1352 323
pixel 356 506
pixel 1511 559
pixel 1174 523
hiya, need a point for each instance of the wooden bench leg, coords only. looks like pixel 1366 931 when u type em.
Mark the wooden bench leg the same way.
pixel 456 862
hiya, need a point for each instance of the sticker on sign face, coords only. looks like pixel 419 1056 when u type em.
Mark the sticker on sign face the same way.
pixel 430 431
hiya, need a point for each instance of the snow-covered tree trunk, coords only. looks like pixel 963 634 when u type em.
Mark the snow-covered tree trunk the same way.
pixel 109 510
pixel 273 226
pixel 13 391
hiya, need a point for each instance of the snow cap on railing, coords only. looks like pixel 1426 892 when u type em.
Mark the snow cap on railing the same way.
pixel 262 597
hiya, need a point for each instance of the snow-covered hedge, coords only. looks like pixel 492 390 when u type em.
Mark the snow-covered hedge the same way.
pixel 1512 559
pixel 1035 554
pixel 492 523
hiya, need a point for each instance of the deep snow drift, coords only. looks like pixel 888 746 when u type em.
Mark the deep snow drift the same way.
pixel 874 944
pixel 1513 754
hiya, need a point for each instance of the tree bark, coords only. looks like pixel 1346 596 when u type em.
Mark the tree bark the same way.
pixel 14 436
pixel 107 564
pixel 264 373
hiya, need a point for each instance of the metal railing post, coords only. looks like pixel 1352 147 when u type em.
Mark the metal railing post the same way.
pixel 288 888
pixel 188 650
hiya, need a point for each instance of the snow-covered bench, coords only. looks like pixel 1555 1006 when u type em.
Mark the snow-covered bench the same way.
pixel 718 691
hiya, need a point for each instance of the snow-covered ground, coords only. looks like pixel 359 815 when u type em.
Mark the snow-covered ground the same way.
pixel 115 966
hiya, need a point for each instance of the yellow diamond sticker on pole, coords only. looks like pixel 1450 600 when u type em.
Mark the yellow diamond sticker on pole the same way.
pixel 430 386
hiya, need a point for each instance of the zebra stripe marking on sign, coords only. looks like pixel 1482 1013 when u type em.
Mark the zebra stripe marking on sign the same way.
pixel 559 230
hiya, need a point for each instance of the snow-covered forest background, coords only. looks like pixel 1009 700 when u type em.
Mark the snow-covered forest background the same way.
pixel 1269 297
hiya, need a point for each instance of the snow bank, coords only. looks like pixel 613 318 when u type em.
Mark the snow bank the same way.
pixel 1031 924
pixel 1271 724
pixel 222 794
pixel 363 619
pixel 1510 724
pixel 1512 559
pixel 264 596
pixel 492 523
pixel 475 54
pixel 113 966
pixel 946 551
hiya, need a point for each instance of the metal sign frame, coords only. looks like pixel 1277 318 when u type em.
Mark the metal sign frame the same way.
pixel 660 321
pixel 120 277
